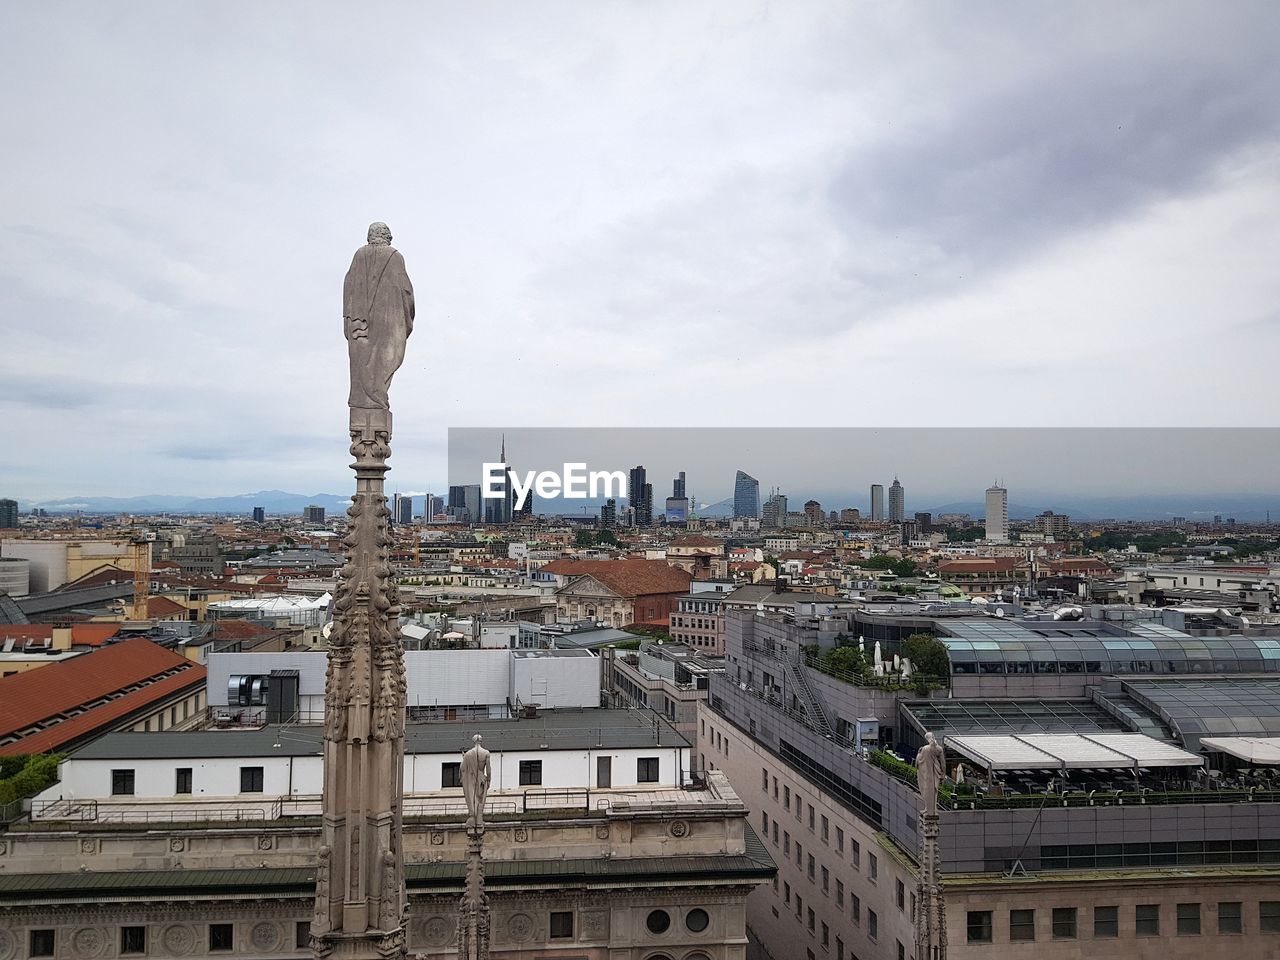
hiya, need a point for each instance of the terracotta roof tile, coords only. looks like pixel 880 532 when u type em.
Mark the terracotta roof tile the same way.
pixel 630 578
pixel 39 697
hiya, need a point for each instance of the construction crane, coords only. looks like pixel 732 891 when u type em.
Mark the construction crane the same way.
pixel 141 576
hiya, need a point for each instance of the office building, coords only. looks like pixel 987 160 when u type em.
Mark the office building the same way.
pixel 401 509
pixel 997 514
pixel 464 503
pixel 774 513
pixel 746 496
pixel 1111 803
pixel 897 502
pixel 1054 524
pixel 609 514
pixel 850 515
pixel 678 486
pixel 924 520
pixel 640 497
pixel 8 514
pixel 259 515
pixel 813 513
pixel 877 502
pixel 313 514
pixel 432 507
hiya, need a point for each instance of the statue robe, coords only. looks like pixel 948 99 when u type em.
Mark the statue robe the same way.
pixel 377 309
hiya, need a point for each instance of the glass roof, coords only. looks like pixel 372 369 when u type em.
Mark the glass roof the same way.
pixel 958 717
pixel 1002 646
pixel 1227 706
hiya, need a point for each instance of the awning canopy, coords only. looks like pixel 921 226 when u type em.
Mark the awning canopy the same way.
pixel 1051 751
pixel 1263 751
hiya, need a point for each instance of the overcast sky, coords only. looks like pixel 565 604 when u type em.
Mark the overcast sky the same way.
pixel 641 214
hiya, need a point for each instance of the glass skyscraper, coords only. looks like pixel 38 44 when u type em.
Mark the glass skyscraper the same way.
pixel 746 496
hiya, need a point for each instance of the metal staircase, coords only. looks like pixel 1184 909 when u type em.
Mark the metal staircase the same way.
pixel 812 703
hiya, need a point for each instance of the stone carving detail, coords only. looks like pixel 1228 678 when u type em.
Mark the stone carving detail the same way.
pixel 266 843
pixel 360 879
pixel 520 927
pixel 436 931
pixel 437 837
pixel 521 834
pixel 178 939
pixel 679 828
pixel 265 936
pixel 177 844
pixel 602 832
pixel 88 942
pixel 7 945
pixel 88 846
pixel 595 925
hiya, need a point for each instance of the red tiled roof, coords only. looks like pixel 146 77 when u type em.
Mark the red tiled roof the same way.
pixel 629 578
pixel 41 696
pixel 1070 564
pixel 159 608
pixel 980 565
pixel 101 577
pixel 92 634
pixel 239 630
pixel 694 540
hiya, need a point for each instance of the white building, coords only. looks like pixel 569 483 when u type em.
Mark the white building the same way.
pixel 444 684
pixel 997 514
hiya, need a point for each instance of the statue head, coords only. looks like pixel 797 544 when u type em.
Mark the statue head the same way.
pixel 476 739
pixel 380 233
pixel 929 737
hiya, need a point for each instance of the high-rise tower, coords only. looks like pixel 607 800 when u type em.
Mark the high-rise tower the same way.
pixel 897 502
pixel 997 514
pixel 746 496
pixel 877 502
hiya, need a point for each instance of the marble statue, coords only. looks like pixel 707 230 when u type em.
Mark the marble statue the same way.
pixel 475 782
pixel 377 311
pixel 931 767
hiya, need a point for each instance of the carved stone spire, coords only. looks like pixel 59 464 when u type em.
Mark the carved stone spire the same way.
pixel 360 893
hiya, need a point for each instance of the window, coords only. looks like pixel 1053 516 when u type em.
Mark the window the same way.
pixel 826 935
pixel 122 783
pixel 220 936
pixel 1188 919
pixel 873 867
pixel 873 925
pixel 450 775
pixel 764 823
pixel 697 920
pixel 786 797
pixel 658 921
pixel 775 788
pixel 900 892
pixel 561 920
pixel 839 949
pixel 531 776
pixel 810 870
pixel 811 823
pixel 855 848
pixel 786 843
pixel 855 909
pixel 251 779
pixel 840 894
pixel 811 921
pixel 902 951
pixel 799 853
pixel 647 770
pixel 979 924
pixel 839 840
pixel 133 939
pixel 799 905
pixel 764 779
pixel 1269 916
pixel 1229 917
pixel 826 830
pixel 1146 918
pixel 182 780
pixel 1106 922
pixel 826 879
pixel 775 833
pixel 786 893
pixel 41 943
pixel 302 935
pixel 1022 924
pixel 1064 923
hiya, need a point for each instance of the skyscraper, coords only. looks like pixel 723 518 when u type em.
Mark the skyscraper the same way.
pixel 259 515
pixel 813 513
pixel 464 503
pixel 609 514
pixel 877 502
pixel 746 496
pixel 9 513
pixel 677 486
pixel 402 509
pixel 997 514
pixel 431 507
pixel 677 504
pixel 500 509
pixel 897 502
pixel 775 511
pixel 640 497
pixel 313 514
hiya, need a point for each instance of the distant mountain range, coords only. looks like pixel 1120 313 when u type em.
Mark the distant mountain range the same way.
pixel 274 502
pixel 1203 507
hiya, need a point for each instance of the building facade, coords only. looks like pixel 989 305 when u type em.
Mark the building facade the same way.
pixel 746 495
pixel 997 514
